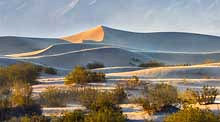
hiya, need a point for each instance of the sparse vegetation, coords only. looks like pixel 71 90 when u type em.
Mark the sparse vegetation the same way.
pixel 95 65
pixel 15 91
pixel 159 97
pixel 105 115
pixel 21 94
pixel 26 73
pixel 190 114
pixel 94 99
pixel 82 76
pixel 188 97
pixel 152 64
pixel 34 118
pixel 53 97
pixel 76 116
pixel 207 95
pixel 132 83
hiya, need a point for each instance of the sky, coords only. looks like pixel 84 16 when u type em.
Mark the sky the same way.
pixel 57 18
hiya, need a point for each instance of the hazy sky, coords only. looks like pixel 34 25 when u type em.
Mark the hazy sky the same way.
pixel 55 18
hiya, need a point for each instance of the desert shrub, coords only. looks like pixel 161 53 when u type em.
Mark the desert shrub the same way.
pixel 188 97
pixel 119 94
pixel 19 111
pixel 94 99
pixel 152 64
pixel 82 76
pixel 103 105
pixel 19 72
pixel 190 114
pixel 34 118
pixel 50 70
pixel 207 95
pixel 76 116
pixel 132 83
pixel 159 96
pixel 95 65
pixel 105 115
pixel 53 97
pixel 21 94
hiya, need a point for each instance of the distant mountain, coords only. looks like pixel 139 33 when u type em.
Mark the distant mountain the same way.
pixel 46 18
pixel 150 42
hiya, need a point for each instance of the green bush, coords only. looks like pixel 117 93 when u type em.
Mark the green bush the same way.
pixel 207 95
pixel 159 96
pixel 95 65
pixel 152 64
pixel 190 114
pixel 82 76
pixel 53 97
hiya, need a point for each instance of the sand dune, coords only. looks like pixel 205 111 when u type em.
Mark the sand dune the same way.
pixel 95 34
pixel 117 69
pixel 14 45
pixel 182 58
pixel 107 55
pixel 57 49
pixel 174 72
pixel 161 41
pixel 4 61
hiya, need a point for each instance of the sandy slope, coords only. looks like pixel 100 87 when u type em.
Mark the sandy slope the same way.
pixel 95 34
pixel 13 45
pixel 57 49
pixel 107 55
pixel 117 69
pixel 182 58
pixel 174 72
pixel 4 61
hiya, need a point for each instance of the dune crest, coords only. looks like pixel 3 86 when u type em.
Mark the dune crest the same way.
pixel 94 34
